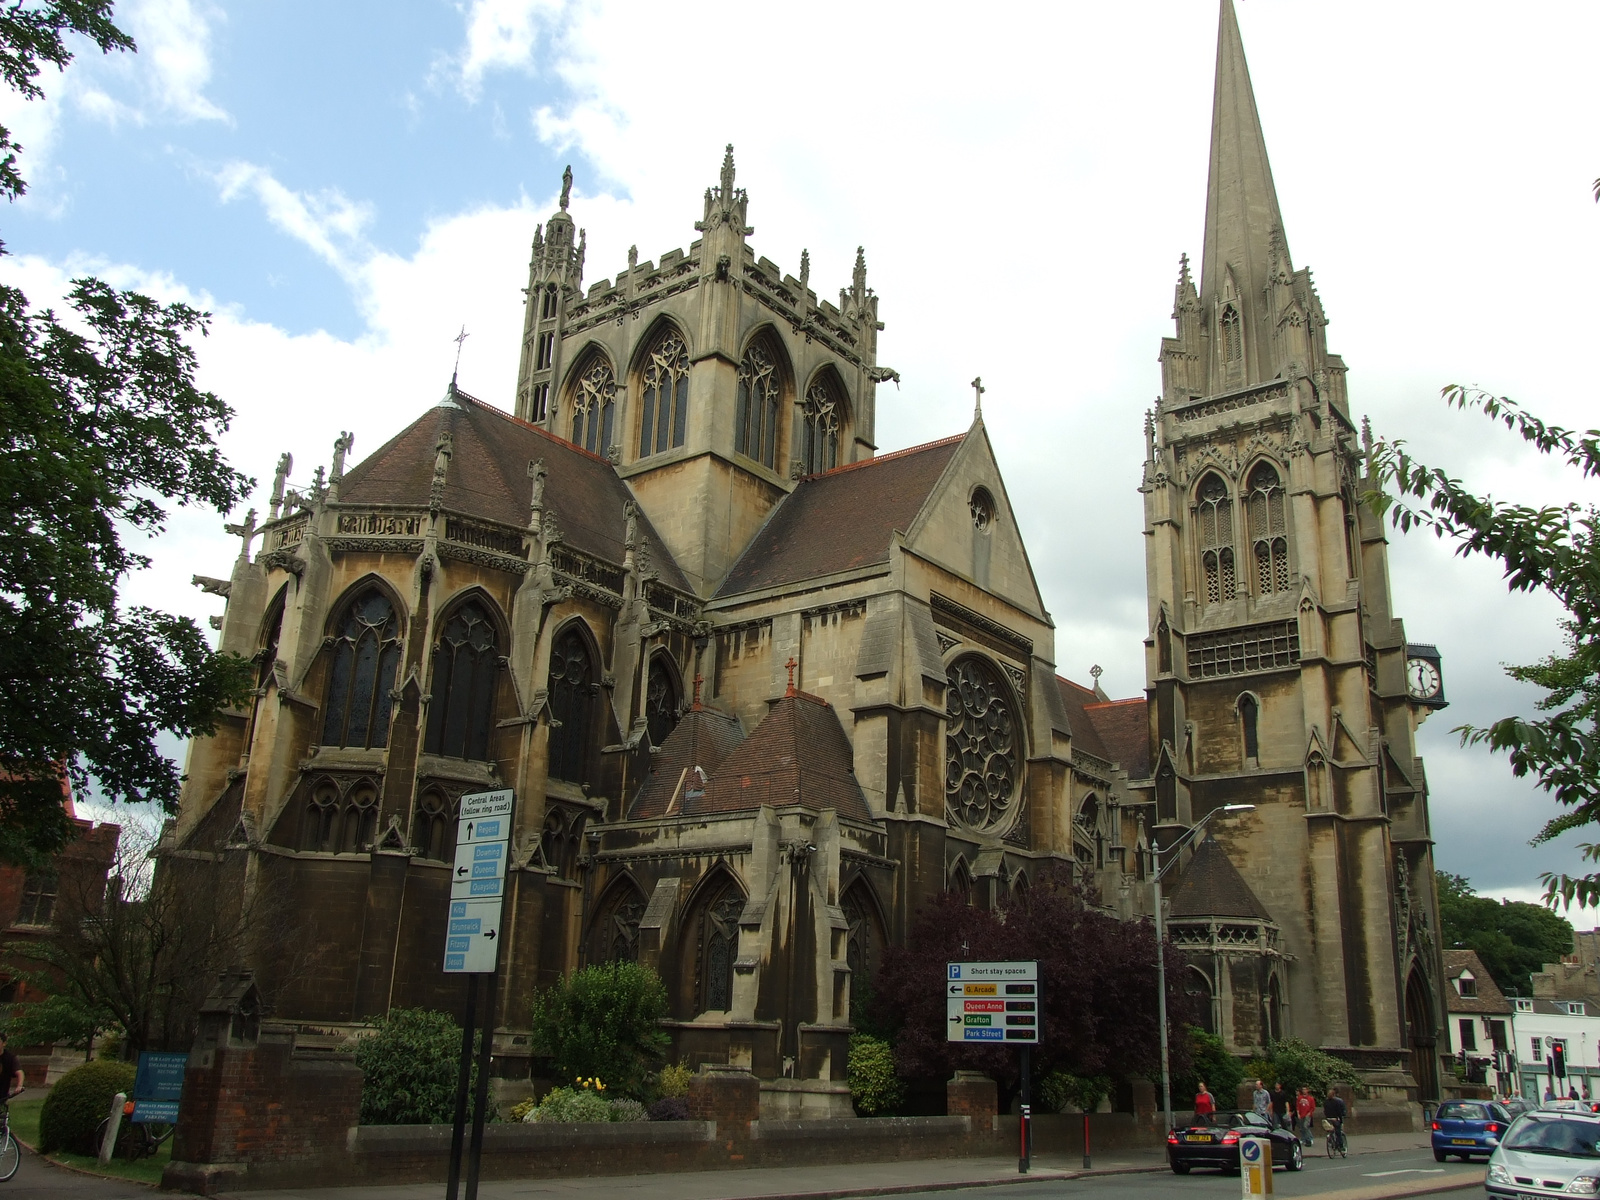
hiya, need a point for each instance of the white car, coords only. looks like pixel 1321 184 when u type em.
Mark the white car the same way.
pixel 1547 1153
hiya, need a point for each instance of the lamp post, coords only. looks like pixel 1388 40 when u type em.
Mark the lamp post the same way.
pixel 1161 947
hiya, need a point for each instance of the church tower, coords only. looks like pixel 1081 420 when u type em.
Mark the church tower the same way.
pixel 1275 666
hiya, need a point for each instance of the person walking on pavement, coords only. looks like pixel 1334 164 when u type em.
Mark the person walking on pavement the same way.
pixel 1281 1103
pixel 1305 1107
pixel 1261 1100
pixel 1204 1102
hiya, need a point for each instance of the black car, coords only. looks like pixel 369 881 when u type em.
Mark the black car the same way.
pixel 1214 1142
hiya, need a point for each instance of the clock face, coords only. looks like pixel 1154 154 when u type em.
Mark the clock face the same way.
pixel 1422 679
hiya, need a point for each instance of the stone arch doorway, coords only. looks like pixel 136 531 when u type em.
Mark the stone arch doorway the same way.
pixel 1423 1037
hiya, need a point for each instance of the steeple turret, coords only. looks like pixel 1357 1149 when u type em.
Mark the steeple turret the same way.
pixel 555 276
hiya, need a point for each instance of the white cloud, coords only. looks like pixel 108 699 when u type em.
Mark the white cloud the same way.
pixel 326 221
pixel 501 35
pixel 174 57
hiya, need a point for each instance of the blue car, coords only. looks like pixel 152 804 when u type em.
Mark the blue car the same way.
pixel 1468 1127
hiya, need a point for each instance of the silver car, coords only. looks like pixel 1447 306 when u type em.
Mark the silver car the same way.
pixel 1547 1153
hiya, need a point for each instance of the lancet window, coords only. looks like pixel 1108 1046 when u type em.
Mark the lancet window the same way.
pixel 616 934
pixel 664 416
pixel 820 418
pixel 1214 522
pixel 1232 335
pixel 1268 530
pixel 660 701
pixel 980 746
pixel 755 432
pixel 719 947
pixel 366 653
pixel 1249 710
pixel 571 705
pixel 594 407
pixel 432 824
pixel 862 945
pixel 466 666
pixel 338 823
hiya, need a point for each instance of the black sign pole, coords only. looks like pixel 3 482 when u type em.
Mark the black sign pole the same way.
pixel 463 1078
pixel 480 1099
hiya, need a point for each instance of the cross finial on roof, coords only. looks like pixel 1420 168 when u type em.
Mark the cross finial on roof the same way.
pixel 459 340
pixel 566 187
pixel 977 403
pixel 790 666
pixel 698 680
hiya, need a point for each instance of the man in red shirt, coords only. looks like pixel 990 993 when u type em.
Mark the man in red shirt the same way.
pixel 1204 1102
pixel 1305 1107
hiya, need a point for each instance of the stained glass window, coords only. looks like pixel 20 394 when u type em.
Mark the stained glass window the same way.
pixel 755 433
pixel 664 415
pixel 466 667
pixel 980 746
pixel 594 407
pixel 571 701
pixel 366 653
pixel 720 947
pixel 821 421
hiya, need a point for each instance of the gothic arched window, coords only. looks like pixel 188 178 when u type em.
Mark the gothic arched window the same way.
pixel 319 824
pixel 719 947
pixel 271 631
pixel 660 701
pixel 616 935
pixel 466 667
pixel 755 431
pixel 359 829
pixel 1232 335
pixel 862 945
pixel 1214 520
pixel 1268 530
pixel 366 653
pixel 820 416
pixel 594 407
pixel 980 770
pixel 571 702
pixel 430 827
pixel 1249 710
pixel 664 416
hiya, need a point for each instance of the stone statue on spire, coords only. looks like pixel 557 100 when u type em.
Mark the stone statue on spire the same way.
pixel 566 187
pixel 279 478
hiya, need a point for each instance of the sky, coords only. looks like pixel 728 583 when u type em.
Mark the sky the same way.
pixel 345 186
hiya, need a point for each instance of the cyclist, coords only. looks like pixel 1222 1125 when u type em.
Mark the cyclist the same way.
pixel 1335 1110
pixel 11 1077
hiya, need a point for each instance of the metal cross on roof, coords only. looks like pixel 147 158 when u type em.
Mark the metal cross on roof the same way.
pixel 459 339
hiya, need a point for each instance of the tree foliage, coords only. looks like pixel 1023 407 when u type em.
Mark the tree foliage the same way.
pixel 1209 1062
pixel 1097 984
pixel 1513 939
pixel 874 1087
pixel 410 1065
pixel 1554 549
pixel 604 1022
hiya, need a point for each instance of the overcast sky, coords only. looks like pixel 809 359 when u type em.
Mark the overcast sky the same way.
pixel 346 185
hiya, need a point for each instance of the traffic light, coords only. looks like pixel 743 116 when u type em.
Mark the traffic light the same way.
pixel 1558 1060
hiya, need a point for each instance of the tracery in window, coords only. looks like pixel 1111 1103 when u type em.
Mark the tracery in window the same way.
pixel 571 702
pixel 547 307
pixel 562 840
pixel 980 746
pixel 661 702
pixel 820 420
pixel 862 945
pixel 359 827
pixel 466 668
pixel 594 407
pixel 366 653
pixel 755 433
pixel 616 935
pixel 718 948
pixel 1248 711
pixel 665 409
pixel 982 507
pixel 1232 336
pixel 432 825
pixel 1268 530
pixel 319 824
pixel 1214 523
pixel 38 898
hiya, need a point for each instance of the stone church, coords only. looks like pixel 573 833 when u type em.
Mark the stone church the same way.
pixel 761 690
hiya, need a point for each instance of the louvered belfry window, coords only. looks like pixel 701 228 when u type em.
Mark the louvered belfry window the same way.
pixel 1214 521
pixel 366 653
pixel 664 416
pixel 1269 531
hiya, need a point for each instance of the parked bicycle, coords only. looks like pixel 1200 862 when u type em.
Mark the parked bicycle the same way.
pixel 140 1141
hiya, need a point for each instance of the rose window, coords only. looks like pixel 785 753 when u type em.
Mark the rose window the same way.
pixel 980 749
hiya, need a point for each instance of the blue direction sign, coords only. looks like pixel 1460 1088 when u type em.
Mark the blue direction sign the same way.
pixel 477 883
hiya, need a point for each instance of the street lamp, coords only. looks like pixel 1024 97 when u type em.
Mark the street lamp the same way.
pixel 1161 950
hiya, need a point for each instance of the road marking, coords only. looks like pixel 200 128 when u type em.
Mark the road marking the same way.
pixel 1404 1171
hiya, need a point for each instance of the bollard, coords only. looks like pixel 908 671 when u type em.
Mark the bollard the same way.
pixel 113 1124
pixel 1087 1165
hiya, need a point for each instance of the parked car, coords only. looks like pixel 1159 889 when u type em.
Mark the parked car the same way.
pixel 1468 1127
pixel 1214 1142
pixel 1547 1151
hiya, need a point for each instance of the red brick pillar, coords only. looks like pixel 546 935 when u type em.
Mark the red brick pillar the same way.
pixel 973 1094
pixel 730 1096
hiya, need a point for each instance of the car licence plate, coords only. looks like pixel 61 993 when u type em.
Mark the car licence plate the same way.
pixel 1462 1142
pixel 1199 1137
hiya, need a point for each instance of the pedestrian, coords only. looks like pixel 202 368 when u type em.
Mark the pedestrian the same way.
pixel 1261 1101
pixel 1281 1104
pixel 11 1076
pixel 1549 1094
pixel 1305 1107
pixel 1572 1094
pixel 1204 1102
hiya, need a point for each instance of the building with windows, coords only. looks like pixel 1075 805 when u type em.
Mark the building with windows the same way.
pixel 762 690
pixel 1478 1040
pixel 1542 1026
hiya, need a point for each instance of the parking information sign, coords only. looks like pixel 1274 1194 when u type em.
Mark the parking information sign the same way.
pixel 992 1002
pixel 478 882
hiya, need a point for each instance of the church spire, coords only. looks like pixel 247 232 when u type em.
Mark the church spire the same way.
pixel 1242 217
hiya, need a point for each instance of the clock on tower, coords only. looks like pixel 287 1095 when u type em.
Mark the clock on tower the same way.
pixel 1424 679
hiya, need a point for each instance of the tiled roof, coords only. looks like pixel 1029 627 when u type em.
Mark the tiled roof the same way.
pixel 703 738
pixel 1211 886
pixel 797 755
pixel 1490 999
pixel 488 478
pixel 841 519
pixel 1124 728
pixel 1085 736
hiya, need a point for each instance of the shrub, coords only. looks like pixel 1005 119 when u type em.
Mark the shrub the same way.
pixel 569 1105
pixel 604 1021
pixel 674 1080
pixel 78 1103
pixel 409 1065
pixel 523 1109
pixel 1059 1089
pixel 628 1110
pixel 873 1084
pixel 670 1108
pixel 1297 1064
pixel 1222 1072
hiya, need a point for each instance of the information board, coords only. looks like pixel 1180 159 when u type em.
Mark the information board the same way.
pixel 158 1086
pixel 477 883
pixel 992 1002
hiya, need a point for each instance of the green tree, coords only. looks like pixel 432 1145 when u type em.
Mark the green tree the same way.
pixel 604 1022
pixel 410 1065
pixel 1511 938
pixel 1554 549
pixel 102 425
pixel 1211 1062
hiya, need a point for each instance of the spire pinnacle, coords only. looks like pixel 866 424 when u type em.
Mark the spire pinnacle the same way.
pixel 566 187
pixel 727 171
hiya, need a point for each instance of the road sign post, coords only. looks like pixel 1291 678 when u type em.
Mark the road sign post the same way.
pixel 1255 1167
pixel 472 948
pixel 998 1002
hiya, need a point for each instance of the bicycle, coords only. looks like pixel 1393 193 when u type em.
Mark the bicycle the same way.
pixel 1335 1142
pixel 10 1152
pixel 139 1141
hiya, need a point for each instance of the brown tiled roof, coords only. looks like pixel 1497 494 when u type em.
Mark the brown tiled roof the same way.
pixel 841 519
pixel 1490 999
pixel 1124 728
pixel 488 478
pixel 1211 886
pixel 1085 736
pixel 702 739
pixel 797 755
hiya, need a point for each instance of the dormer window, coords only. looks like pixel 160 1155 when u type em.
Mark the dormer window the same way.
pixel 1466 985
pixel 1526 1006
pixel 1575 1009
